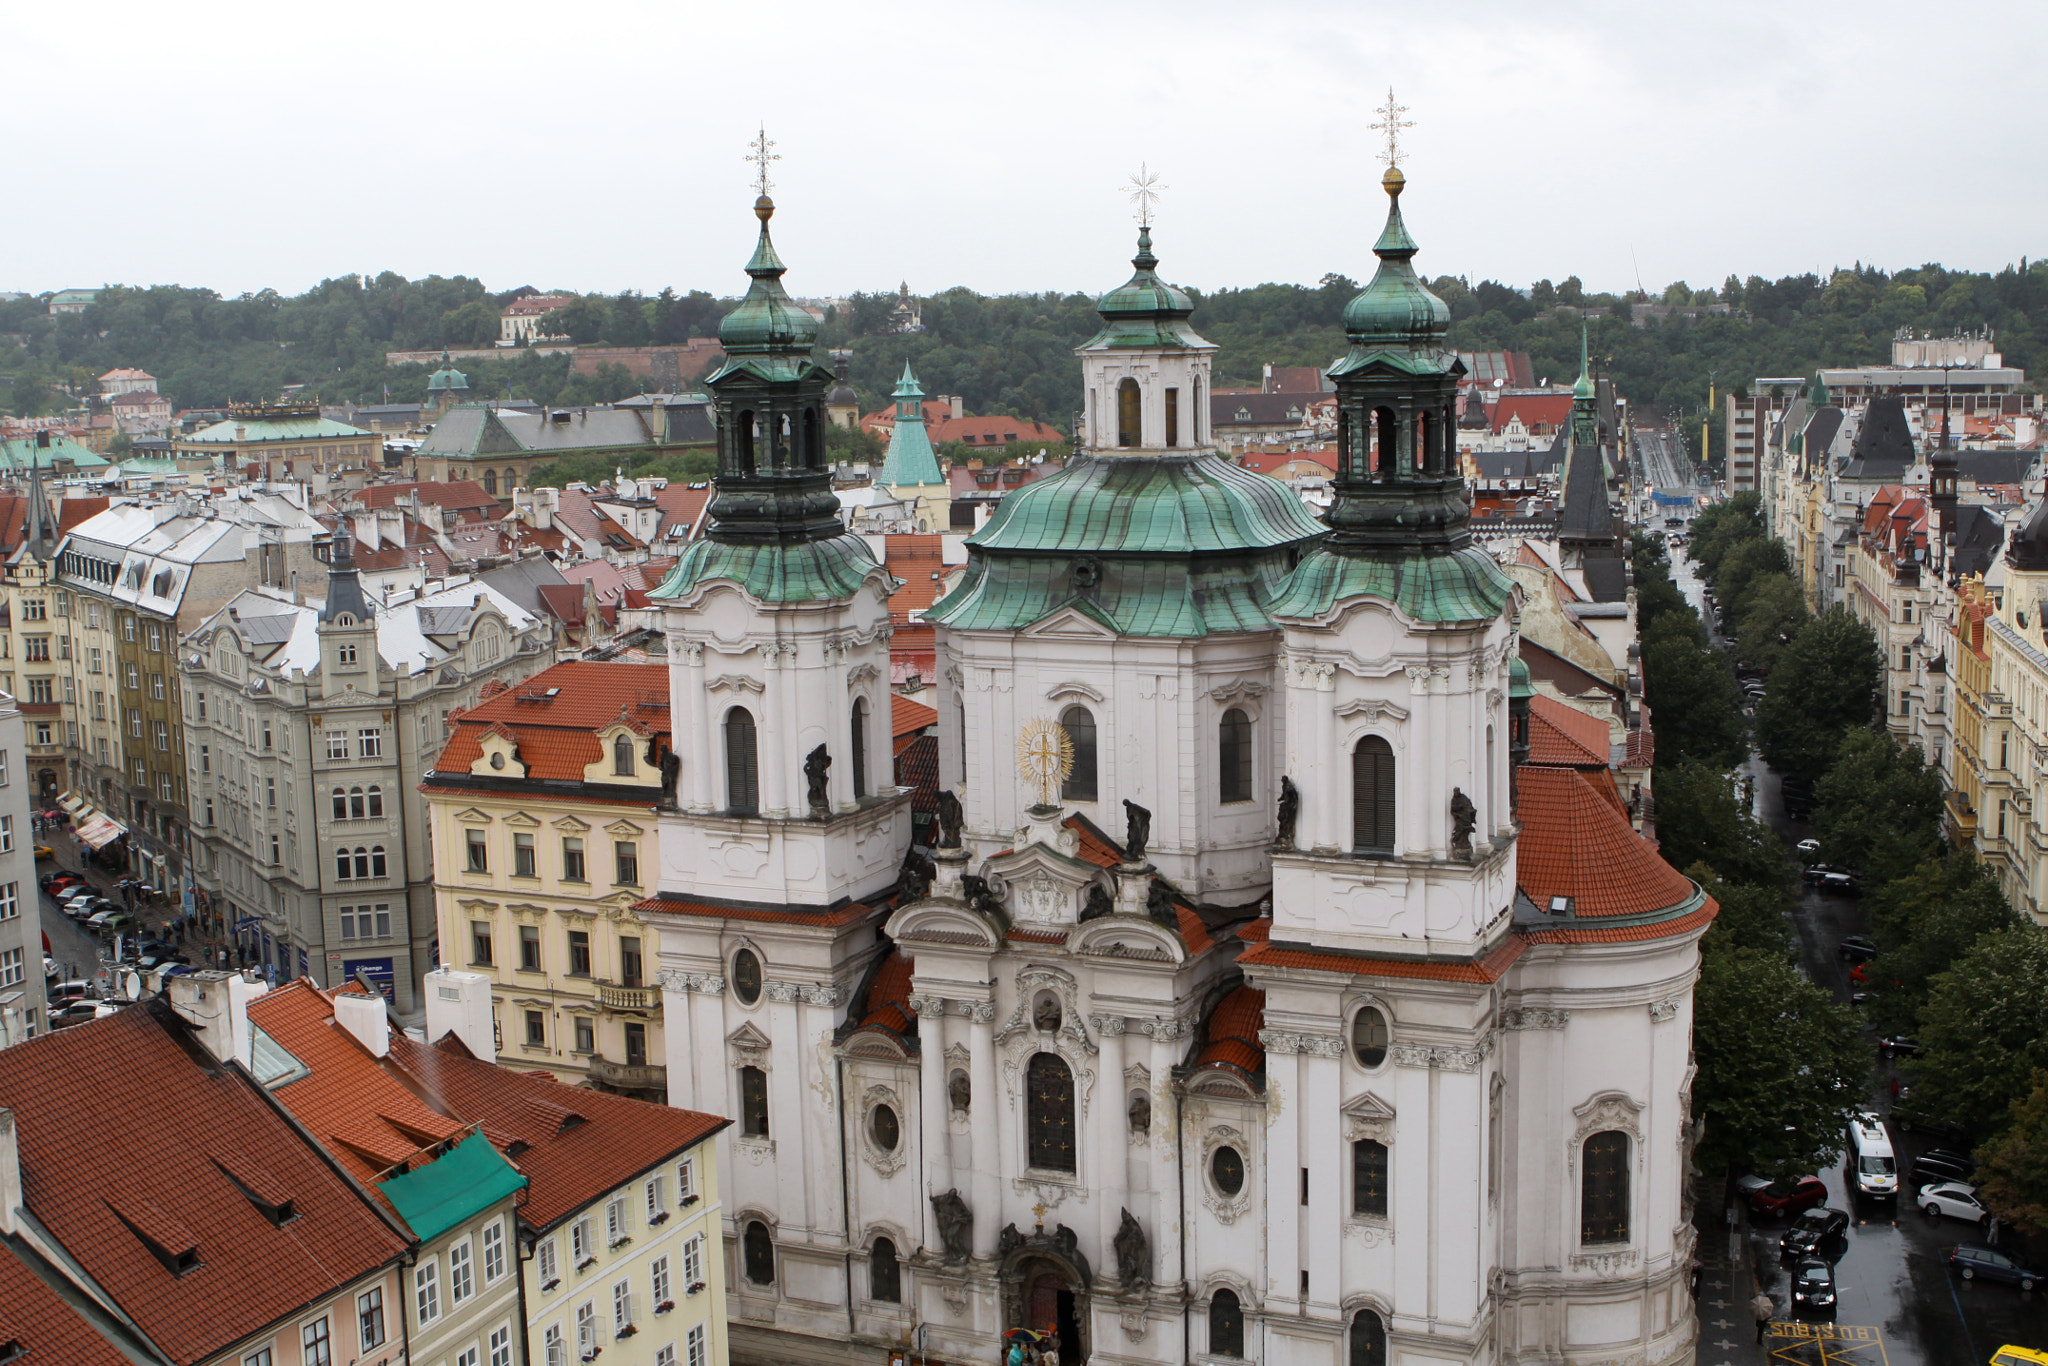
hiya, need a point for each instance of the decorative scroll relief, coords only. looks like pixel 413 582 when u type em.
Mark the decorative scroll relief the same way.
pixel 1073 688
pixel 1609 1110
pixel 1315 674
pixel 1534 1017
pixel 1237 688
pixel 1367 1116
pixel 1368 1230
pixel 1607 1263
pixel 1107 1024
pixel 1372 709
pixel 1666 1009
pixel 749 1046
pixel 754 1150
pixel 675 979
pixel 733 683
pixel 1314 1045
pixel 1166 1031
pixel 861 673
pixel 1440 1058
pixel 1226 1208
pixel 779 652
pixel 1427 678
pixel 784 992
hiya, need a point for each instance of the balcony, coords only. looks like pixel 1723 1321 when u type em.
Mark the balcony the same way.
pixel 627 1077
pixel 646 999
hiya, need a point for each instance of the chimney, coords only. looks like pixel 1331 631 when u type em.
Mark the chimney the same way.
pixel 459 1003
pixel 216 1005
pixel 10 1174
pixel 364 1017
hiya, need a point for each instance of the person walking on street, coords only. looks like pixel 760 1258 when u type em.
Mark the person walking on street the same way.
pixel 1763 1307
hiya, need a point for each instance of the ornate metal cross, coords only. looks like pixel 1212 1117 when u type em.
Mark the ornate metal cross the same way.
pixel 760 155
pixel 1144 189
pixel 1391 123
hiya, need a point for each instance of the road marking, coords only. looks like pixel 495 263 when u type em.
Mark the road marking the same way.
pixel 1827 1344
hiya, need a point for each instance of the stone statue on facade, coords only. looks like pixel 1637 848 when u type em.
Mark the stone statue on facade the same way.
pixel 1098 903
pixel 1464 816
pixel 1133 1254
pixel 1290 813
pixel 1137 831
pixel 950 819
pixel 816 765
pixel 1141 1112
pixel 956 1225
pixel 960 1091
pixel 671 771
pixel 1159 904
pixel 914 883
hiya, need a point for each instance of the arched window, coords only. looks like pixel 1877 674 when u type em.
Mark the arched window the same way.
pixel 1079 724
pixel 1372 796
pixel 1368 1340
pixel 742 772
pixel 1384 429
pixel 885 1273
pixel 376 800
pixel 753 1102
pixel 860 747
pixel 812 456
pixel 1347 458
pixel 1128 427
pixel 1234 747
pixel 340 805
pixel 343 869
pixel 622 756
pixel 1172 416
pixel 1199 417
pixel 377 868
pixel 1369 1178
pixel 356 807
pixel 1426 452
pixel 511 480
pixel 743 437
pixel 758 1253
pixel 1603 1199
pixel 491 482
pixel 1050 1089
pixel 1226 1325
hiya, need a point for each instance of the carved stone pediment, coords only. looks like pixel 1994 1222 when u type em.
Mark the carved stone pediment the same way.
pixel 1046 886
pixel 1129 937
pixel 748 1046
pixel 522 820
pixel 942 922
pixel 1073 688
pixel 733 683
pixel 1373 709
pixel 1367 1116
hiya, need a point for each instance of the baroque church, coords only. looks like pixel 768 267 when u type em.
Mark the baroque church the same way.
pixel 1267 995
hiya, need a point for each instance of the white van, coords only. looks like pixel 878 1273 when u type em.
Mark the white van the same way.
pixel 1872 1170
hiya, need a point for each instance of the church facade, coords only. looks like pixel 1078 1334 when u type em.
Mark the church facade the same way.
pixel 1265 998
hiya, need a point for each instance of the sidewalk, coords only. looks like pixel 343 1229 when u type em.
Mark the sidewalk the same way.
pixel 1727 1285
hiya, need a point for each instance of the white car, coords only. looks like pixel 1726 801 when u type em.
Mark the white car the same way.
pixel 1809 846
pixel 1956 1200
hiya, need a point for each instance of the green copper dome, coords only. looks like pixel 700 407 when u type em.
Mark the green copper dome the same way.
pixel 1396 309
pixel 447 377
pixel 767 319
pixel 1144 311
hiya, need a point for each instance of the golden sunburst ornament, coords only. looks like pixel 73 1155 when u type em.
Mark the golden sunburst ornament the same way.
pixel 1046 756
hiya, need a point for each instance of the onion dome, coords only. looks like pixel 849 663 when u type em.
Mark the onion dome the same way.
pixel 1396 309
pixel 1145 310
pixel 447 378
pixel 767 320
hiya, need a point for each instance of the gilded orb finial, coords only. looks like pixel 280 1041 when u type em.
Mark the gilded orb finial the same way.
pixel 1392 181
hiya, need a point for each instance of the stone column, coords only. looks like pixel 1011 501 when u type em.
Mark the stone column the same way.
pixel 932 1109
pixel 1323 1151
pixel 1282 1189
pixel 1169 1147
pixel 988 1121
pixel 1108 1144
pixel 696 789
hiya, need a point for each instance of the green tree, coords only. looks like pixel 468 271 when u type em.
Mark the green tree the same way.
pixel 1825 684
pixel 629 322
pixel 582 320
pixel 1879 807
pixel 1985 1031
pixel 1772 614
pixel 473 324
pixel 1692 696
pixel 2012 1170
pixel 1703 819
pixel 853 445
pixel 1721 527
pixel 1752 917
pixel 1925 921
pixel 1656 594
pixel 1749 561
pixel 1780 1065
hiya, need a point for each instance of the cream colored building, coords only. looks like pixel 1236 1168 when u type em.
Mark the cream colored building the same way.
pixel 542 810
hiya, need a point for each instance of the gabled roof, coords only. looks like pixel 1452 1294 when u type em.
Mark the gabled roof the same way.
pixel 43 1325
pixel 1266 462
pixel 1539 412
pixel 573 1145
pixel 1883 448
pixel 457 495
pixel 1565 737
pixel 557 736
pixel 908 716
pixel 131 1170
pixel 919 563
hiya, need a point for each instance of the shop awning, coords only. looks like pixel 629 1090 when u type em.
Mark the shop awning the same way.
pixel 98 830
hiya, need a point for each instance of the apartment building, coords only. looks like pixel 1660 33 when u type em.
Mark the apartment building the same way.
pixel 308 724
pixel 1748 420
pixel 24 1013
pixel 542 807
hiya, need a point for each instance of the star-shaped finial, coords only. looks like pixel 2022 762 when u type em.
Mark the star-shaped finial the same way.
pixel 1391 123
pixel 760 155
pixel 1144 189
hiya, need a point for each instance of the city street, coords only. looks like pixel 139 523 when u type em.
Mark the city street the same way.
pixel 1664 461
pixel 1897 1303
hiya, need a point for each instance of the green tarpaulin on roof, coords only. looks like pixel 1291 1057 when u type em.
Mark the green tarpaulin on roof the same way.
pixel 460 1184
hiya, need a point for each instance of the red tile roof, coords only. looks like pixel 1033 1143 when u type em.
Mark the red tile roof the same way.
pixel 74 510
pixel 557 737
pixel 1562 736
pixel 149 1135
pixel 780 915
pixel 46 1328
pixel 991 431
pixel 919 561
pixel 1480 970
pixel 363 1112
pixel 1539 412
pixel 910 716
pixel 1626 934
pixel 888 1004
pixel 1575 843
pixel 1265 462
pixel 573 1145
pixel 457 495
pixel 682 505
pixel 1233 1032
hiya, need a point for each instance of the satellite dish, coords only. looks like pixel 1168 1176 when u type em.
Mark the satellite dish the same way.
pixel 131 984
pixel 1500 382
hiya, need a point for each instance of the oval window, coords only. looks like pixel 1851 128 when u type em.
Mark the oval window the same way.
pixel 1369 1037
pixel 1226 1169
pixel 883 1128
pixel 746 977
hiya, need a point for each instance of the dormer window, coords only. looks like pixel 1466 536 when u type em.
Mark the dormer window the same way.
pixel 622 756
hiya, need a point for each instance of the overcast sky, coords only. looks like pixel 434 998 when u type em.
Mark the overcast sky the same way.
pixel 599 144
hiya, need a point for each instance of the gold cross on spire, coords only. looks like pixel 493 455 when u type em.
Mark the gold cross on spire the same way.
pixel 1144 189
pixel 1391 123
pixel 760 155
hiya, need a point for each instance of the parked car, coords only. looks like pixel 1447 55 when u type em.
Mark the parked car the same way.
pixel 77 1012
pixel 1936 1166
pixel 1809 847
pixel 1907 1119
pixel 1780 1199
pixel 1813 1288
pixel 1819 1232
pixel 1974 1261
pixel 1814 872
pixel 1898 1046
pixel 44 851
pixel 1856 948
pixel 77 989
pixel 1954 1199
pixel 2019 1356
pixel 50 882
pixel 1838 882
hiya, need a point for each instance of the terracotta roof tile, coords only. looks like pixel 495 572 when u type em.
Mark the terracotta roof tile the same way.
pixel 1479 970
pixel 44 1326
pixel 557 737
pixel 1624 934
pixel 919 562
pixel 910 716
pixel 569 1165
pixel 889 995
pixel 1022 936
pixel 1562 736
pixel 1575 843
pixel 1233 1032
pixel 843 915
pixel 455 495
pixel 148 1133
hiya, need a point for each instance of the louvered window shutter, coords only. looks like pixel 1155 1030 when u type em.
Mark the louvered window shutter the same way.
pixel 1372 796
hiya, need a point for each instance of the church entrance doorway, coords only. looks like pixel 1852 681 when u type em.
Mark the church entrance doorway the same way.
pixel 1052 1304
